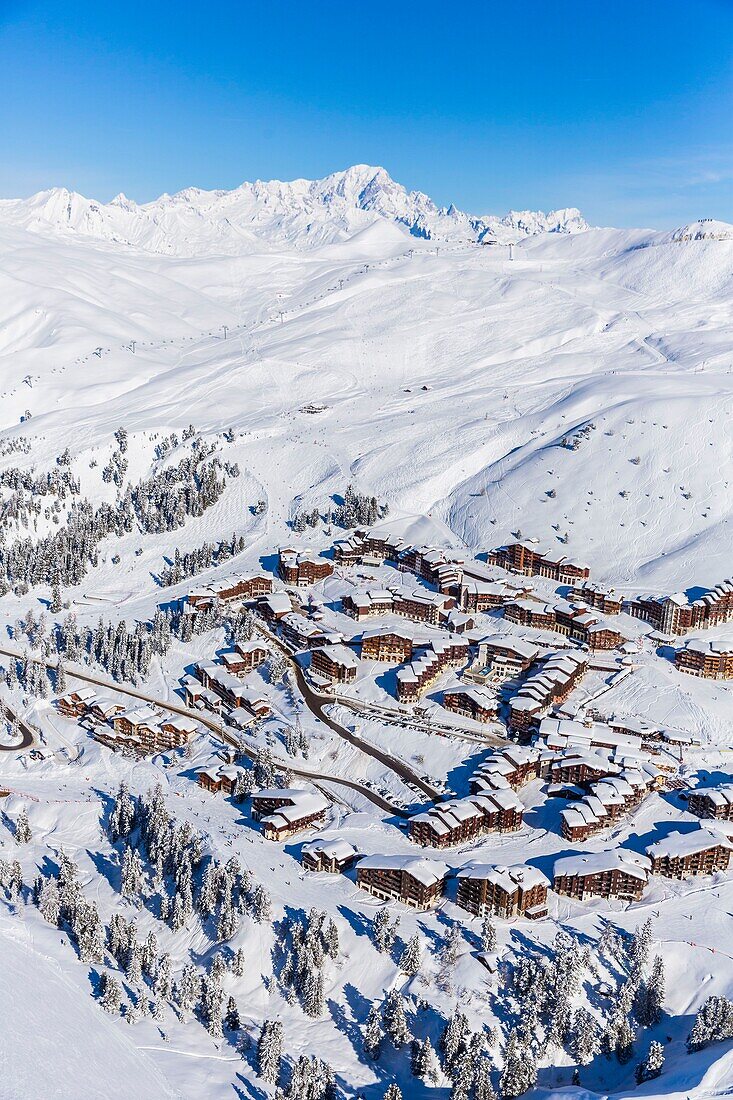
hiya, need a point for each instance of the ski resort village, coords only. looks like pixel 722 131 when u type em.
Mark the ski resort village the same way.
pixel 366 646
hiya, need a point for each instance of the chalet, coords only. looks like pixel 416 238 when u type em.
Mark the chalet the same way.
pixel 512 767
pixel 417 882
pixel 178 730
pixel 337 663
pixel 144 731
pixel 413 679
pixel 230 689
pixel 447 824
pixel 573 621
pixel 76 703
pixel 244 657
pixel 334 856
pixel 606 801
pixel 667 614
pixel 219 779
pixel 476 703
pixel 105 709
pixel 239 587
pixel 581 769
pixel 619 873
pixel 300 632
pixel 431 564
pixel 680 855
pixel 458 622
pixel 674 615
pixel 533 559
pixel 711 660
pixel 384 644
pixel 713 802
pixel 529 613
pixel 548 684
pixel 303 568
pixel 503 891
pixel 275 606
pixel 475 595
pixel 363 605
pixel 422 606
pixel 283 813
pixel 604 600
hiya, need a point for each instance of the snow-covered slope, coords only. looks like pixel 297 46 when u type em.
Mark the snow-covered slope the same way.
pixel 303 214
pixel 627 330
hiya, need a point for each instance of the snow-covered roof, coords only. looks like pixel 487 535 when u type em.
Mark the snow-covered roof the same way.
pixel 424 870
pixel 687 844
pixel 594 863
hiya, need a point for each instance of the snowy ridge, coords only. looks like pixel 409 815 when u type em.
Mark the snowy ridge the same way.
pixel 302 213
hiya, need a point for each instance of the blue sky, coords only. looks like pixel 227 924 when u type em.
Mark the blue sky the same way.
pixel 623 109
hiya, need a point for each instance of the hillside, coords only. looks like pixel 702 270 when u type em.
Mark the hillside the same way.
pixel 183 378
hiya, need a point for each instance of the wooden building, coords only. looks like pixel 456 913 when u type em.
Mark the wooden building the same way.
pixel 502 891
pixel 459 820
pixel 475 703
pixel 712 802
pixel 619 873
pixel 416 882
pixel 76 703
pixel 532 558
pixel 711 660
pixel 385 644
pixel 244 657
pixel 332 855
pixel 283 813
pixel 336 663
pixel 681 855
pixel 303 568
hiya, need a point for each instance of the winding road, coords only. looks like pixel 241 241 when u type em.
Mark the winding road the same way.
pixel 215 727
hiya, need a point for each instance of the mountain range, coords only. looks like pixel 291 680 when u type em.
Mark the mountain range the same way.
pixel 301 214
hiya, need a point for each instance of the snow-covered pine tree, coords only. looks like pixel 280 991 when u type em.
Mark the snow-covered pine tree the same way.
pixel 395 1021
pixel 652 1065
pixel 411 957
pixel 238 963
pixel 163 985
pixel 650 998
pixel 373 1033
pixel 714 1022
pixel 384 930
pixel 232 1021
pixel 586 1037
pixel 269 1051
pixel 393 1092
pixel 122 816
pixel 454 1041
pixel 110 994
pixel 261 904
pixel 424 1062
pixel 23 832
pixel 132 873
pixel 212 1000
pixel 483 1088
pixel 312 997
pixel 520 1071
pixel 488 933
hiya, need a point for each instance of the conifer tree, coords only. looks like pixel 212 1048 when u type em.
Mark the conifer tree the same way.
pixel 520 1071
pixel 269 1051
pixel 411 957
pixel 653 1064
pixel 373 1033
pixel 488 933
pixel 23 832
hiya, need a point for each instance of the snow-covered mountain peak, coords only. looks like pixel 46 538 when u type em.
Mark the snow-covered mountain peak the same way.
pixel 705 229
pixel 298 214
